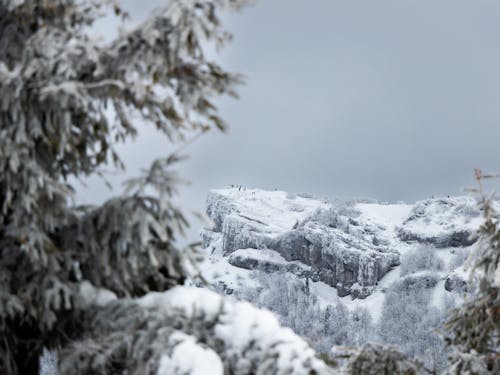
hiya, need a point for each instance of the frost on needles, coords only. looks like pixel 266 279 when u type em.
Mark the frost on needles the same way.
pixel 70 276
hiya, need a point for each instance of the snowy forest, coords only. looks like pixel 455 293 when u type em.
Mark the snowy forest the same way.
pixel 277 283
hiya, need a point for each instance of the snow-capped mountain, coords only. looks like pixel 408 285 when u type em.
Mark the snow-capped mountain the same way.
pixel 359 253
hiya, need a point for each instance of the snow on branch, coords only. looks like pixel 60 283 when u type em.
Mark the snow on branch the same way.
pixel 188 331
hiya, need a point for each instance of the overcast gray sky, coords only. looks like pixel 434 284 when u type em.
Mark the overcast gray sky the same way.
pixel 392 99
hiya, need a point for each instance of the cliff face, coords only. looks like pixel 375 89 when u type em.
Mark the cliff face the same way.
pixel 348 246
pixel 338 258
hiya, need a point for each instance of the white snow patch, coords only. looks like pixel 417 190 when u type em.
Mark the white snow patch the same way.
pixel 273 212
pixel 189 357
pixel 387 216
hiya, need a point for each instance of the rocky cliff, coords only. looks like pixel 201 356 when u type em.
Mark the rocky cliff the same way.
pixel 350 246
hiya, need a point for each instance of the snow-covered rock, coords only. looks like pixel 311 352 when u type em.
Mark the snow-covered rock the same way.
pixel 267 261
pixel 347 246
pixel 334 248
pixel 256 218
pixel 442 222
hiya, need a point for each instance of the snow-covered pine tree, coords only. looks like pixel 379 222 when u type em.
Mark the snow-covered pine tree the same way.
pixel 83 279
pixel 475 326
